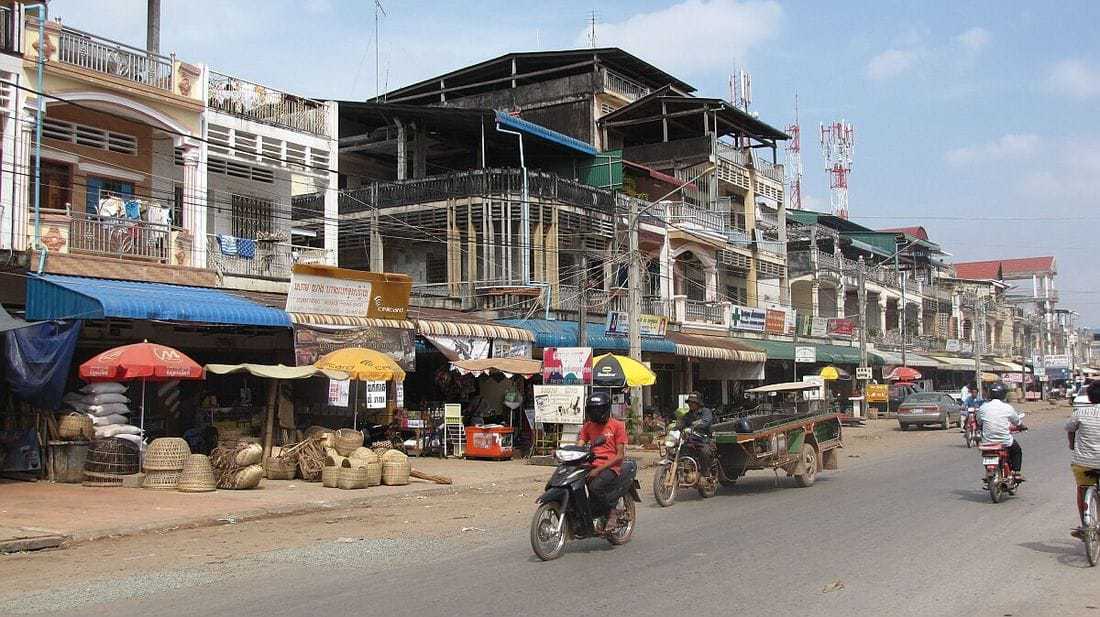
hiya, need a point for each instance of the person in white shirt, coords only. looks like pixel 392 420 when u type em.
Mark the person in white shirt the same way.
pixel 1084 439
pixel 997 419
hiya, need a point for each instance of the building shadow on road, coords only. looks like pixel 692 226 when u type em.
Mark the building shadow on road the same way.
pixel 1066 552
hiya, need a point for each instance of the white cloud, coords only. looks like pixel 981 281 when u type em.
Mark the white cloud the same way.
pixel 1009 146
pixel 1076 78
pixel 721 30
pixel 891 63
pixel 975 39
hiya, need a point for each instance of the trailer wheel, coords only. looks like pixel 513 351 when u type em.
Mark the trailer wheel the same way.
pixel 806 470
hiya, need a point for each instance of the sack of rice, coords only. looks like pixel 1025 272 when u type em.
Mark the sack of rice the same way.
pixel 105 399
pixel 108 408
pixel 249 455
pixel 242 479
pixel 105 420
pixel 104 387
pixel 114 430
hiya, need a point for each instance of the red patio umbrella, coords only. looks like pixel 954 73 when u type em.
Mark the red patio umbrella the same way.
pixel 145 361
pixel 904 373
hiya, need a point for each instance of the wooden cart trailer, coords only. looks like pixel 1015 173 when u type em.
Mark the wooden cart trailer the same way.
pixel 783 431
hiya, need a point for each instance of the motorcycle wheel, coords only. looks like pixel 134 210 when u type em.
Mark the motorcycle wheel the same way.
pixel 725 480
pixel 1092 527
pixel 664 488
pixel 708 484
pixel 624 532
pixel 966 437
pixel 996 487
pixel 807 466
pixel 545 541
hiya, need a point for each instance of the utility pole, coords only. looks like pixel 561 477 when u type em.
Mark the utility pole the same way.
pixel 635 308
pixel 582 299
pixel 902 317
pixel 862 296
pixel 979 330
pixel 152 27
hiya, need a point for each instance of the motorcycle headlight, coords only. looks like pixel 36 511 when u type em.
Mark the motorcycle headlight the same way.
pixel 672 439
pixel 569 456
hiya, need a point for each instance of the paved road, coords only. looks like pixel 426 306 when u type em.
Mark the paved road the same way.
pixel 909 534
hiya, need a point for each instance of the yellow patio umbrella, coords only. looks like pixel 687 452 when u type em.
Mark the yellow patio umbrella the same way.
pixel 362 364
pixel 614 371
pixel 990 378
pixel 832 373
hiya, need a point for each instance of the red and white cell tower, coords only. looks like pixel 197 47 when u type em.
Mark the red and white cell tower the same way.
pixel 794 162
pixel 837 142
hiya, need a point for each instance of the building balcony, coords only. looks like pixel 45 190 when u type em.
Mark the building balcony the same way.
pixel 122 238
pixel 271 260
pixel 687 217
pixel 733 167
pixel 257 103
pixel 627 90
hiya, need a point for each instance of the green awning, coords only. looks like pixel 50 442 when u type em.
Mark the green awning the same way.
pixel 826 353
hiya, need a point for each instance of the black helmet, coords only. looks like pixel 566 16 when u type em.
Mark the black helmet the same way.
pixel 998 391
pixel 598 407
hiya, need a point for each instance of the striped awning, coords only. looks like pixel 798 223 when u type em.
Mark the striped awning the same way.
pixel 715 348
pixel 464 328
pixel 316 319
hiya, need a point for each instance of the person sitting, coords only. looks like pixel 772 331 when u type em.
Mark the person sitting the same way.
pixel 1083 428
pixel 997 418
pixel 609 454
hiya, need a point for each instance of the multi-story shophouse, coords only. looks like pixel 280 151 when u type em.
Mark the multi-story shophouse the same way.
pixel 153 168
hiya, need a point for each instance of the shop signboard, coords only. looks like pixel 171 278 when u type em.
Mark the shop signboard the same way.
pixel 312 342
pixel 746 318
pixel 399 395
pixel 805 354
pixel 460 347
pixel 1061 362
pixel 820 327
pixel 966 347
pixel 816 394
pixel 328 290
pixel 878 393
pixel 775 321
pixel 559 404
pixel 567 365
pixel 618 324
pixel 863 372
pixel 376 394
pixel 508 348
pixel 790 319
pixel 338 390
pixel 841 327
pixel 953 345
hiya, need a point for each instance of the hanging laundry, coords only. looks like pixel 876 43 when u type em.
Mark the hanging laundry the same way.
pixel 228 245
pixel 112 207
pixel 158 215
pixel 246 248
pixel 133 209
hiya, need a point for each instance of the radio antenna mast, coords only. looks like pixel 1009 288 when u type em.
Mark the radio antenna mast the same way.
pixel 837 142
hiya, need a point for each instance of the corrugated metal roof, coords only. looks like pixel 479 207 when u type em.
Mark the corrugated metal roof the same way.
pixel 564 334
pixel 542 132
pixel 55 296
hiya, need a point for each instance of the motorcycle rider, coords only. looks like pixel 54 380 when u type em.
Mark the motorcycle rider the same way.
pixel 609 455
pixel 1084 439
pixel 997 418
pixel 700 419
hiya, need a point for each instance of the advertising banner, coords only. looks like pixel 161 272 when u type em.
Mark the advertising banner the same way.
pixel 819 327
pixel 805 355
pixel 841 327
pixel 775 322
pixel 338 391
pixel 559 404
pixel 460 347
pixel 312 342
pixel 567 365
pixel 618 324
pixel 507 348
pixel 745 318
pixel 376 394
pixel 328 290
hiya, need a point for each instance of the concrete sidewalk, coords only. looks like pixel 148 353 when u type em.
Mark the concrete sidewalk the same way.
pixel 33 513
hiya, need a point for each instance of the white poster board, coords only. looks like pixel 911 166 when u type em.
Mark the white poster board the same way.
pixel 559 404
pixel 805 355
pixel 338 391
pixel 399 395
pixel 817 394
pixel 376 394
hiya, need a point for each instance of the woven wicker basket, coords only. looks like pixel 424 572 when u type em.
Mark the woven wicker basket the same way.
pixel 197 475
pixel 374 473
pixel 96 479
pixel 161 480
pixel 249 454
pixel 352 478
pixel 280 468
pixel 329 476
pixel 166 454
pixel 113 456
pixel 395 456
pixel 242 479
pixel 73 426
pixel 347 440
pixel 363 456
pixel 335 460
pixel 396 473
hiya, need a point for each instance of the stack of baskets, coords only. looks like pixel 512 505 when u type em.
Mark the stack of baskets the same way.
pixel 359 470
pixel 75 426
pixel 280 466
pixel 367 459
pixel 346 440
pixel 109 461
pixel 396 468
pixel 197 475
pixel 164 463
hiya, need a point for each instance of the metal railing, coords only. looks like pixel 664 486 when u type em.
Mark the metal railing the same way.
pixel 258 103
pixel 623 87
pixel 271 260
pixel 479 182
pixel 704 312
pixel 120 238
pixel 693 218
pixel 103 55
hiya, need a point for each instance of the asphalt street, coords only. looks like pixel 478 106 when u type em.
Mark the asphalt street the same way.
pixel 910 533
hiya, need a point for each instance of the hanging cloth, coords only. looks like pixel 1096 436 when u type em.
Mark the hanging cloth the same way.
pixel 38 359
pixel 228 245
pixel 246 248
pixel 133 209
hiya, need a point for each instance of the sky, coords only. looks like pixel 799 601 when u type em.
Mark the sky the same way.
pixel 976 119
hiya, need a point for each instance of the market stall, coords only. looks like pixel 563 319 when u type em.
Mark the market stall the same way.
pixel 490 424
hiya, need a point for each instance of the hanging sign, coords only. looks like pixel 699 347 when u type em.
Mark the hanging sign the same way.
pixel 399 394
pixel 312 342
pixel 376 394
pixel 559 404
pixel 338 390
pixel 508 348
pixel 805 355
pixel 745 318
pixel 841 327
pixel 328 290
pixel 567 365
pixel 953 345
pixel 863 372
pixel 819 327
pixel 618 324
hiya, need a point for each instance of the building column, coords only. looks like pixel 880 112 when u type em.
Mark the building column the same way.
pixel 920 319
pixel 10 167
pixel 712 283
pixel 815 300
pixel 332 190
pixel 22 182
pixel 882 312
pixel 841 299
pixel 377 250
pixel 194 201
pixel 666 265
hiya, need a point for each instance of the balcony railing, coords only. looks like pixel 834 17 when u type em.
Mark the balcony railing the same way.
pixel 270 260
pixel 622 87
pixel 120 238
pixel 705 312
pixel 102 55
pixel 693 218
pixel 265 105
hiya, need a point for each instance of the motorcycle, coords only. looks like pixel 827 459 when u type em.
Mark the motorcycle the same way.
pixel 972 432
pixel 999 479
pixel 564 511
pixel 681 466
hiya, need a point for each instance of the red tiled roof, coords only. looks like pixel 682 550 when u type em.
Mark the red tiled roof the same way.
pixel 916 232
pixel 998 268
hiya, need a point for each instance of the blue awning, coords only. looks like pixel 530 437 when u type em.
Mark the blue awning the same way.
pixel 564 334
pixel 55 296
pixel 542 132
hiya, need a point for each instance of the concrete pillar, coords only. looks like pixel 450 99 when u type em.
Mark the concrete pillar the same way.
pixel 815 300
pixel 712 283
pixel 194 200
pixel 332 193
pixel 841 296
pixel 882 312
pixel 22 181
pixel 377 250
pixel 10 167
pixel 402 151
